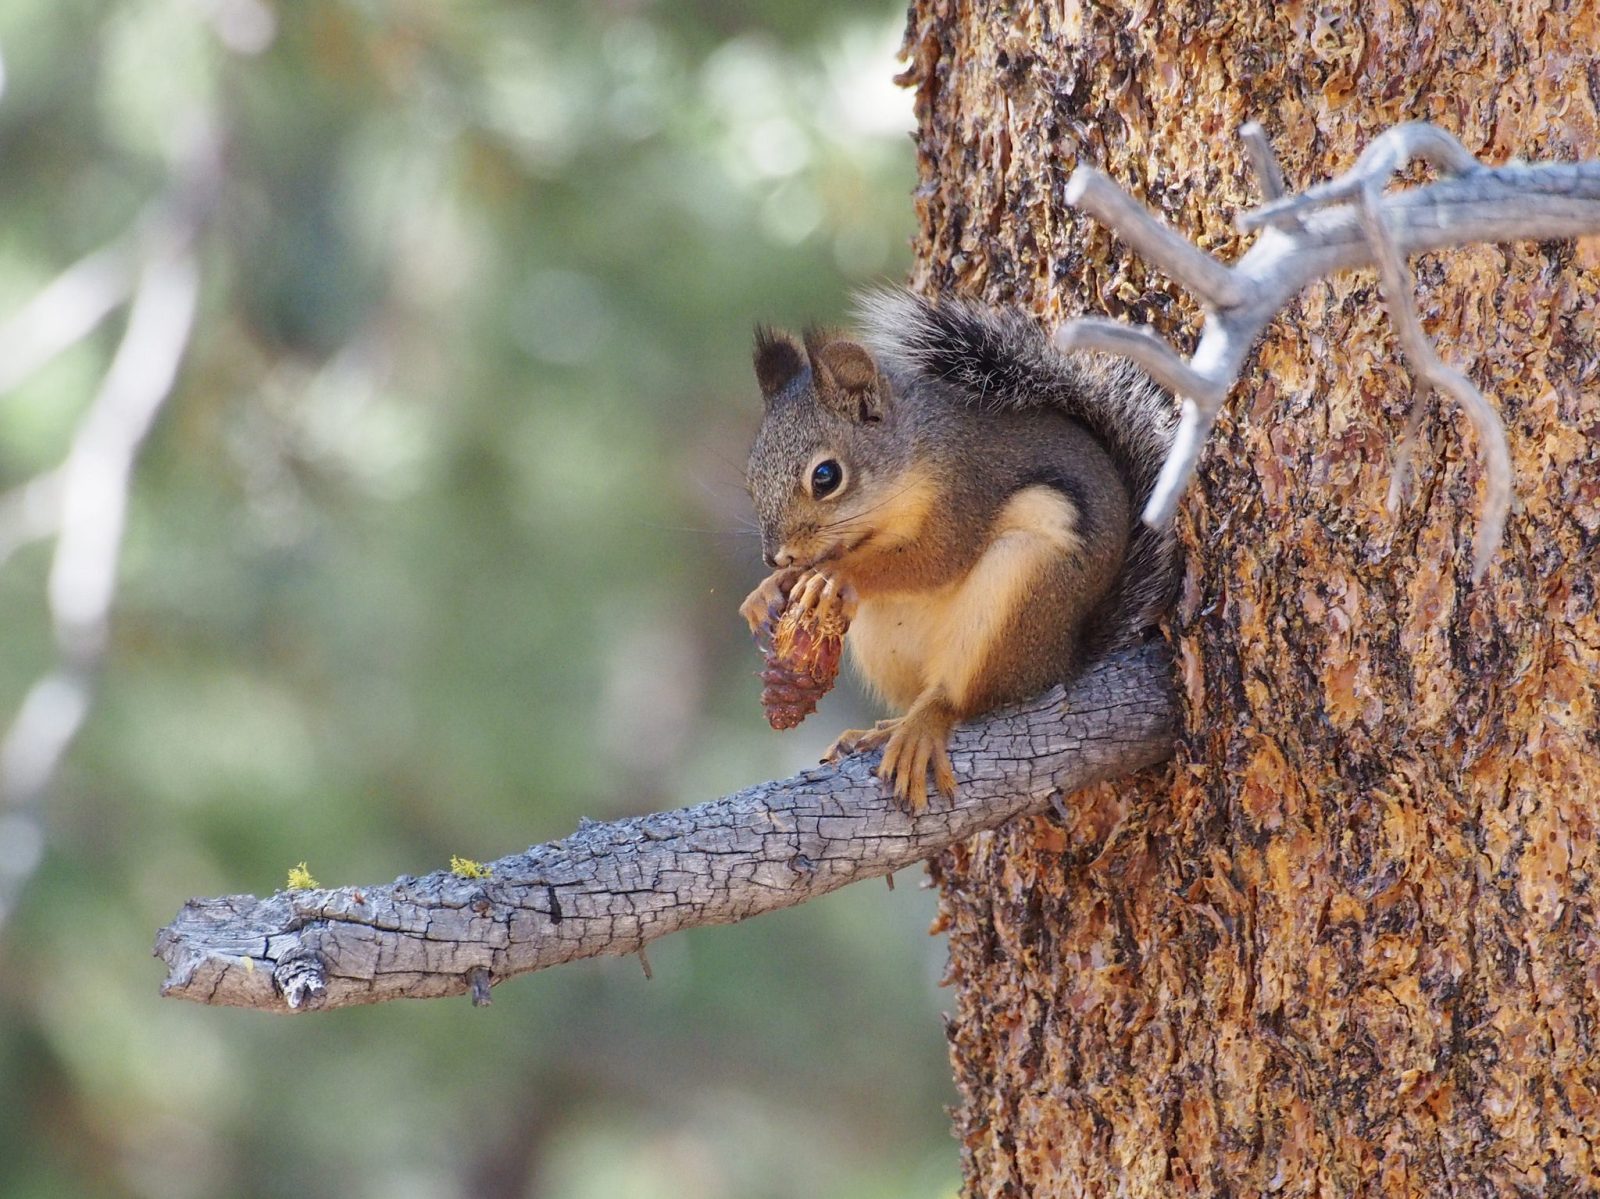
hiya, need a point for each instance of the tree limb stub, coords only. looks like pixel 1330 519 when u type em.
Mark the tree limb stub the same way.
pixel 611 888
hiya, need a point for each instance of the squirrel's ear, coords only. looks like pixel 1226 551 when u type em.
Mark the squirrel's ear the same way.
pixel 848 380
pixel 778 359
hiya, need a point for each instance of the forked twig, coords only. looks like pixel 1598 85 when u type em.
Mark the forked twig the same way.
pixel 1269 175
pixel 1342 224
pixel 66 310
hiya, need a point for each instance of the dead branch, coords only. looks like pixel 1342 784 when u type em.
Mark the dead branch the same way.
pixel 90 493
pixel 29 512
pixel 1431 371
pixel 83 502
pixel 1339 225
pixel 66 310
pixel 610 889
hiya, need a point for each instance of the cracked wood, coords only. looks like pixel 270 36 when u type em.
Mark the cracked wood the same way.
pixel 611 888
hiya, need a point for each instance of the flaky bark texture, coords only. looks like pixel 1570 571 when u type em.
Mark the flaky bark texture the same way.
pixel 1350 945
pixel 613 888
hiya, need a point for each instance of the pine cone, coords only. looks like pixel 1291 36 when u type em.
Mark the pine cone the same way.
pixel 802 662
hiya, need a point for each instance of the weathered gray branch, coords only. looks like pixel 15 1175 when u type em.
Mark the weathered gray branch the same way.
pixel 613 888
pixel 83 501
pixel 1431 371
pixel 1339 225
pixel 68 309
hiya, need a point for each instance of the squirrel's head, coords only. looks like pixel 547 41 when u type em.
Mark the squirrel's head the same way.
pixel 828 454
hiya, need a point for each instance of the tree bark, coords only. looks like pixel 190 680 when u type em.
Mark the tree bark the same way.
pixel 612 888
pixel 1348 943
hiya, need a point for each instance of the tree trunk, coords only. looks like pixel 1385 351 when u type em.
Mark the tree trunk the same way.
pixel 1348 943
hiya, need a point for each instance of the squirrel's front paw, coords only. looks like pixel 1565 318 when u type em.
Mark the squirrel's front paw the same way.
pixel 814 589
pixel 918 742
pixel 762 606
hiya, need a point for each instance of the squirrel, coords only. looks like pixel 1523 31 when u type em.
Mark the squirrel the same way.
pixel 969 497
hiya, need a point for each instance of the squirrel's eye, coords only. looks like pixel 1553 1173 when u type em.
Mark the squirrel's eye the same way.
pixel 825 478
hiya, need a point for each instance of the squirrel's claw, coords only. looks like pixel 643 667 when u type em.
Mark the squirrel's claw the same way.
pixel 815 589
pixel 855 741
pixel 762 607
pixel 944 771
pixel 806 589
pixel 918 742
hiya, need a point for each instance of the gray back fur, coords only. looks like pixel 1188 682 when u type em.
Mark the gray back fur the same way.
pixel 998 360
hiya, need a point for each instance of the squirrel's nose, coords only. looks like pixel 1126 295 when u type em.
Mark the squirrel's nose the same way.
pixel 778 559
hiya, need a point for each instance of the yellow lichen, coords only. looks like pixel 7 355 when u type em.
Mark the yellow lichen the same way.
pixel 300 878
pixel 467 868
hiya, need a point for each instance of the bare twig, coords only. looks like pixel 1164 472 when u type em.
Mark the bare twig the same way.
pixel 29 512
pixel 612 888
pixel 1432 372
pixel 1316 233
pixel 63 313
pixel 1269 175
pixel 91 488
pixel 66 310
pixel 94 483
pixel 1400 476
pixel 84 501
pixel 1390 152
pixel 1191 266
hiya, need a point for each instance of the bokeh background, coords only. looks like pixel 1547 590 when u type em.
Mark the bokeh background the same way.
pixel 436 548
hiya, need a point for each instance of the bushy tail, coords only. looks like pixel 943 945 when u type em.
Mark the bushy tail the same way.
pixel 1001 360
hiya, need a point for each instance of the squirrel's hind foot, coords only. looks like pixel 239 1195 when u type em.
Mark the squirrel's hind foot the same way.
pixel 919 741
pixel 858 741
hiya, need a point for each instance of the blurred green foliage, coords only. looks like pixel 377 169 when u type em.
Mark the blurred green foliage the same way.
pixel 437 548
